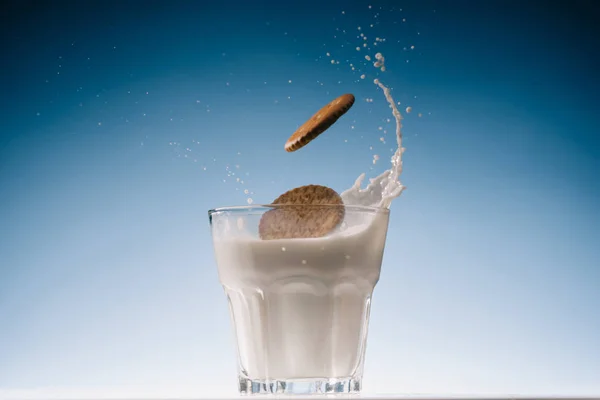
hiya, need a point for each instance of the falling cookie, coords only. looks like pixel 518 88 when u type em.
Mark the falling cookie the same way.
pixel 305 212
pixel 319 122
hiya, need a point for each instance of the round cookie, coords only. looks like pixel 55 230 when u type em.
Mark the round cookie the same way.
pixel 319 122
pixel 305 212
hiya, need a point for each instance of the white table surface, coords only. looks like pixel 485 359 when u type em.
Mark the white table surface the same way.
pixel 79 395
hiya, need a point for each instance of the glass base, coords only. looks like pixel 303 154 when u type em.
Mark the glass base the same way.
pixel 299 386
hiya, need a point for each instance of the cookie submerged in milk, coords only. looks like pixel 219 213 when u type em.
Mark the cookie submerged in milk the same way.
pixel 304 212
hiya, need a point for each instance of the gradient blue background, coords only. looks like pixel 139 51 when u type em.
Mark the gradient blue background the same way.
pixel 123 122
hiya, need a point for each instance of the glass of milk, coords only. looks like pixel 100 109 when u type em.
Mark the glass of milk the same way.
pixel 299 307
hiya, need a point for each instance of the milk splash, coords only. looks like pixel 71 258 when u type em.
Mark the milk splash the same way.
pixel 382 190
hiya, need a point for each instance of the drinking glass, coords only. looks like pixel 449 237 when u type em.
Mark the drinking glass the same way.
pixel 299 306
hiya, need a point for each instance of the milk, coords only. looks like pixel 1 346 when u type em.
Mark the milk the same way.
pixel 300 306
pixel 386 187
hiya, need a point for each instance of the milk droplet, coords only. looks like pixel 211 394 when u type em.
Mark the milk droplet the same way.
pixel 246 191
pixel 250 201
pixel 408 109
pixel 362 76
pixel 283 249
pixel 304 262
pixel 347 256
pixel 368 58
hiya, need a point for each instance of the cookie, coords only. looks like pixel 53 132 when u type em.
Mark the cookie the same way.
pixel 305 212
pixel 319 122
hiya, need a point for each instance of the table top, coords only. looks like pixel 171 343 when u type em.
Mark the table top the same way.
pixel 170 393
pixel 106 395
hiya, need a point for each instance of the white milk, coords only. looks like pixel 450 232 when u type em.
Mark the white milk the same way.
pixel 301 306
pixel 386 187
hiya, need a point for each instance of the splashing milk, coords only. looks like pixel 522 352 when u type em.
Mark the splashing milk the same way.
pixel 386 187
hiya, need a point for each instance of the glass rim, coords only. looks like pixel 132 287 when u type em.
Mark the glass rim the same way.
pixel 256 207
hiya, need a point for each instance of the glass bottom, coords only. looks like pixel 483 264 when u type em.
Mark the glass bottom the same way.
pixel 299 386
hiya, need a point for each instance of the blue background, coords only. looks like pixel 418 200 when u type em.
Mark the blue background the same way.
pixel 123 122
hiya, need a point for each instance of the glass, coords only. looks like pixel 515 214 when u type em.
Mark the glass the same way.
pixel 299 306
